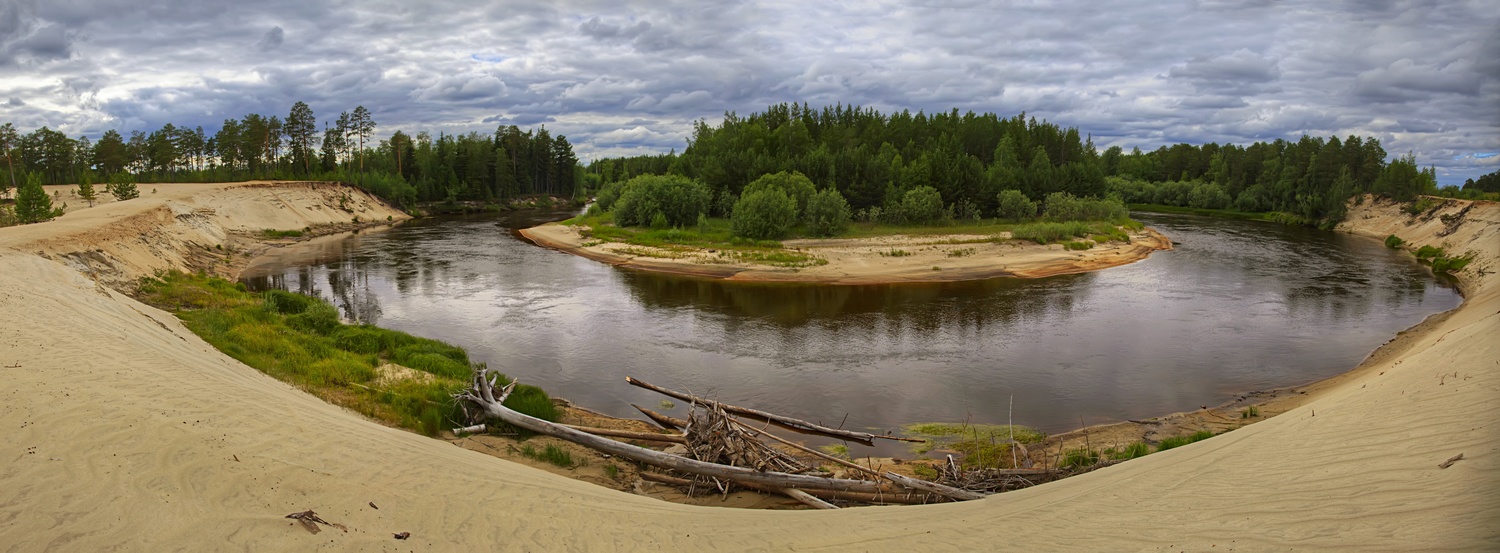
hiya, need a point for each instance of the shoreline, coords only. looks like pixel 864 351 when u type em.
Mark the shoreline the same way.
pixel 860 261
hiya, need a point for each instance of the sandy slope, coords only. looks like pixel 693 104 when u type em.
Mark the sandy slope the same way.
pixel 932 258
pixel 124 431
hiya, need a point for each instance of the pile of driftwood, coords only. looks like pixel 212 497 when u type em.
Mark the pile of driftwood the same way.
pixel 722 451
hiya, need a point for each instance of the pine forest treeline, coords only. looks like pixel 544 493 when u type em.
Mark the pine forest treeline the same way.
pixel 403 168
pixel 873 158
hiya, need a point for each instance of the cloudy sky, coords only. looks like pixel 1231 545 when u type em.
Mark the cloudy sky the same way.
pixel 630 77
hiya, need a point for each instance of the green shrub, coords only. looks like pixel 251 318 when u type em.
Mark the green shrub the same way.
pixel 1179 441
pixel 675 198
pixel 359 339
pixel 551 454
pixel 795 185
pixel 1062 206
pixel 319 318
pixel 1014 205
pixel 1078 245
pixel 1443 264
pixel 1137 449
pixel 1079 458
pixel 1393 241
pixel 763 214
pixel 287 303
pixel 827 213
pixel 922 205
pixel 1429 252
pixel 1049 232
pixel 608 195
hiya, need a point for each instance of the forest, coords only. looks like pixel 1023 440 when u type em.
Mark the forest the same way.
pixel 873 159
pixel 403 168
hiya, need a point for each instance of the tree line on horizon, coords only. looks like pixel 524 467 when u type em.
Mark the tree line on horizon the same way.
pixel 403 168
pixel 873 159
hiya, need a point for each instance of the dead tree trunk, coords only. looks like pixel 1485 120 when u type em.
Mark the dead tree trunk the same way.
pixel 799 425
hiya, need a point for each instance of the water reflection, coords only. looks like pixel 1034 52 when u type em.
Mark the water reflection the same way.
pixel 1237 306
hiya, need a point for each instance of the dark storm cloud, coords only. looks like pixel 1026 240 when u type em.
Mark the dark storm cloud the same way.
pixel 632 78
pixel 271 40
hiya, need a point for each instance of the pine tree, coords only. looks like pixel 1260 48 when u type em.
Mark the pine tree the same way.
pixel 86 188
pixel 122 186
pixel 32 203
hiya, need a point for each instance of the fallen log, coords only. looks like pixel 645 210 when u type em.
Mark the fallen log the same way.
pixel 934 487
pixel 800 425
pixel 645 436
pixel 931 487
pixel 664 421
pixel 482 396
pixel 887 497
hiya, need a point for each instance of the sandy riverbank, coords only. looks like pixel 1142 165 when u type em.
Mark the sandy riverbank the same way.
pixel 123 430
pixel 931 258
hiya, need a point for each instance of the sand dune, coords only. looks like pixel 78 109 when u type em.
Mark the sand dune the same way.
pixel 122 430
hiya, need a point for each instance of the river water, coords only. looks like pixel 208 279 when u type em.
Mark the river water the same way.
pixel 1237 306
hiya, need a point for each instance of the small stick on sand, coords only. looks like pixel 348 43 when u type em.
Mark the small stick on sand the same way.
pixel 1451 460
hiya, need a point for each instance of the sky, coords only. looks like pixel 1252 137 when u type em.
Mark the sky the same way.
pixel 631 77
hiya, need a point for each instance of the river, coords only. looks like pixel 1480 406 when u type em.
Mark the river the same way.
pixel 1237 306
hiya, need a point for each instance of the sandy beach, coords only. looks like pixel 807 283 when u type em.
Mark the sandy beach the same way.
pixel 124 431
pixel 928 258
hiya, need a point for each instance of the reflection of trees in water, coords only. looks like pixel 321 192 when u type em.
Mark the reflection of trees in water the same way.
pixel 896 310
pixel 349 284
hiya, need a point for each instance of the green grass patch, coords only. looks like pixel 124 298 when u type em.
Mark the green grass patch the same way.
pixel 551 454
pixel 1422 205
pixel 778 258
pixel 895 253
pixel 837 450
pixel 1179 441
pixel 1250 412
pixel 1078 458
pixel 1393 241
pixel 925 471
pixel 982 445
pixel 299 340
pixel 273 233
pixel 1429 252
pixel 1137 449
pixel 961 252
pixel 1077 245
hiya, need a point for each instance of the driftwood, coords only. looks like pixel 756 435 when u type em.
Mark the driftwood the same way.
pixel 907 482
pixel 799 425
pixel 715 437
pixel 890 497
pixel 644 436
pixel 482 395
pixel 1451 460
pixel 664 421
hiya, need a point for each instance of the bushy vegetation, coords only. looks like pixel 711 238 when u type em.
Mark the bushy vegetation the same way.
pixel 1062 206
pixel 300 340
pixel 922 205
pixel 1015 206
pixel 1137 449
pixel 794 184
pixel 1047 232
pixel 1393 241
pixel 765 214
pixel 827 214
pixel 551 453
pixel 675 200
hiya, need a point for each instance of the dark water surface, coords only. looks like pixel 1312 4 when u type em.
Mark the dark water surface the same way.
pixel 1238 306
